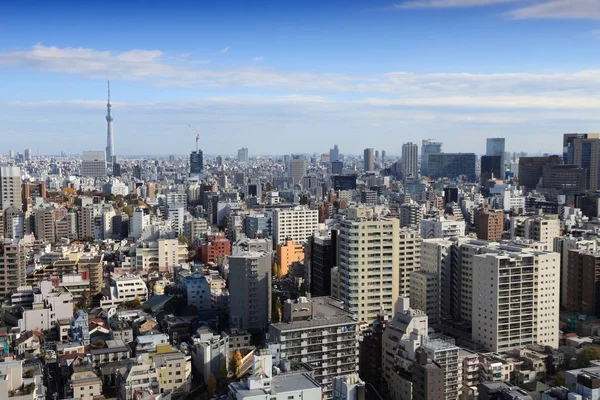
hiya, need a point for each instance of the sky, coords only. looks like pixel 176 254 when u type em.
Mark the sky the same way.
pixel 297 76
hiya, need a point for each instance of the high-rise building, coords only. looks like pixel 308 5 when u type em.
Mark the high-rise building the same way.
pixel 44 222
pixel 452 165
pixel 27 155
pixel 425 294
pixel 583 279
pixel 586 154
pixel 411 214
pixel 10 187
pixel 369 160
pixel 337 167
pixel 489 224
pixel 543 228
pixel 568 179
pixel 569 144
pixel 308 332
pixel 242 155
pixel 321 255
pixel 496 147
pixel 515 299
pixel 410 160
pixel 93 164
pixel 298 167
pixel 250 290
pixel 196 162
pixel 531 169
pixel 110 145
pixel 428 147
pixel 491 167
pixel 564 245
pixel 12 266
pixel 334 154
pixel 297 223
pixel 382 157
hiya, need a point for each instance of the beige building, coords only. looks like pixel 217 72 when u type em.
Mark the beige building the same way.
pixel 162 255
pixel 44 222
pixel 85 383
pixel 175 372
pixel 298 224
pixel 424 294
pixel 542 228
pixel 10 187
pixel 515 298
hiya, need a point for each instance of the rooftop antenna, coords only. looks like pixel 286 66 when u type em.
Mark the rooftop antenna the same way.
pixel 197 136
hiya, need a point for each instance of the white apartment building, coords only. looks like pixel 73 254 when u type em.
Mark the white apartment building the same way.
pixel 125 288
pixel 515 299
pixel 297 223
pixel 162 255
pixel 10 187
pixel 176 215
pixel 441 227
pixel 138 221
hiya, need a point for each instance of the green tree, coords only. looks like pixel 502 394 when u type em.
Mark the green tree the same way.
pixel 183 240
pixel 559 379
pixel 586 355
pixel 212 384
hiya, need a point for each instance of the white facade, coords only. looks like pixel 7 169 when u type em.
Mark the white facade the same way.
pixel 440 227
pixel 138 221
pixel 516 299
pixel 176 215
pixel 125 288
pixel 10 187
pixel 297 224
pixel 410 159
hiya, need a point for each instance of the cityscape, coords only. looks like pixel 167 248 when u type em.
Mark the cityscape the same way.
pixel 264 249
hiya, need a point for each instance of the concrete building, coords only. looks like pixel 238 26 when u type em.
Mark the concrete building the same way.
pixel 93 164
pixel 531 169
pixel 138 221
pixel 453 165
pixel 85 384
pixel 564 245
pixel 410 160
pixel 586 155
pixel 369 160
pixel 349 387
pixel 568 179
pixel 515 298
pixel 12 266
pixel 307 332
pixel 297 169
pixel 210 352
pixel 250 290
pixel 242 155
pixel 197 289
pixel 125 288
pixel 425 294
pixel 10 187
pixel 496 147
pixel 441 227
pixel 489 224
pixel 411 215
pixel 287 254
pixel 44 222
pixel 537 228
pixel 583 277
pixel 297 223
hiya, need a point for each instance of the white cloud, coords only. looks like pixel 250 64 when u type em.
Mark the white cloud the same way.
pixel 559 9
pixel 225 50
pixel 450 3
pixel 259 58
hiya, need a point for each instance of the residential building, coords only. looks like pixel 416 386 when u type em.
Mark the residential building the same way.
pixel 12 266
pixel 564 245
pixel 210 352
pixel 425 294
pixel 411 215
pixel 297 223
pixel 197 291
pixel 297 169
pixel 85 384
pixel 307 332
pixel 288 253
pixel 410 160
pixel 250 290
pixel 371 354
pixel 79 328
pixel 125 288
pixel 537 228
pixel 369 160
pixel 174 371
pixel 489 224
pixel 10 187
pixel 215 250
pixel 583 278
pixel 515 298
pixel 442 227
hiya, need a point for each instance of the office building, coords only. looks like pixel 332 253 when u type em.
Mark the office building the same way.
pixel 27 155
pixel 496 147
pixel 14 223
pixel 410 160
pixel 441 227
pixel 567 179
pixel 297 169
pixel 425 294
pixel 489 224
pixel 428 147
pixel 294 223
pixel 453 165
pixel 10 187
pixel 308 329
pixel 569 140
pixel 531 169
pixel 12 266
pixel 242 155
pixel 344 182
pixel 537 228
pixel 515 299
pixel 369 160
pixel 334 154
pixel 586 155
pixel 196 162
pixel 250 290
pixel 491 167
pixel 93 164
pixel 368 197
pixel 337 167
pixel 321 255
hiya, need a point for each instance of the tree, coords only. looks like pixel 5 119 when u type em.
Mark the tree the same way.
pixel 128 210
pixel 559 379
pixel 183 240
pixel 223 372
pixel 235 362
pixel 586 355
pixel 278 309
pixel 212 384
pixel 276 270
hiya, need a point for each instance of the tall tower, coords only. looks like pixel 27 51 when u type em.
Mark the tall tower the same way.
pixel 110 145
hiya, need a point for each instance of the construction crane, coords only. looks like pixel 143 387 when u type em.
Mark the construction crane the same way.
pixel 197 136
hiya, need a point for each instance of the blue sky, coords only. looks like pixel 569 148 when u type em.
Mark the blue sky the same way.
pixel 298 76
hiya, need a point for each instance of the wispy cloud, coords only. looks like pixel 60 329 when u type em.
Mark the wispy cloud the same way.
pixel 257 59
pixel 225 50
pixel 559 9
pixel 450 3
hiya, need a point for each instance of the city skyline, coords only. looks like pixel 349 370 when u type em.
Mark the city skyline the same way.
pixel 271 79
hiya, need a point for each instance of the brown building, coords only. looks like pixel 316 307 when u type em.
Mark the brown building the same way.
pixel 370 351
pixel 427 378
pixel 531 169
pixel 489 224
pixel 12 266
pixel 216 248
pixel 567 178
pixel 583 277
